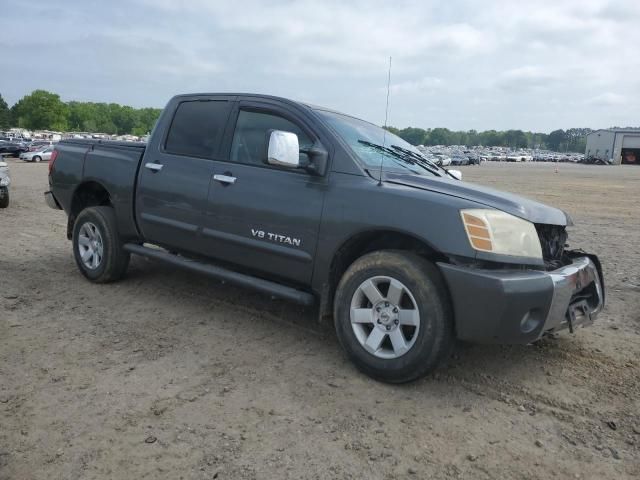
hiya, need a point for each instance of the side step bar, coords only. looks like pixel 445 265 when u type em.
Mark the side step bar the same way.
pixel 240 279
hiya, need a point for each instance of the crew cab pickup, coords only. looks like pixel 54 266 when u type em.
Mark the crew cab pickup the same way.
pixel 321 208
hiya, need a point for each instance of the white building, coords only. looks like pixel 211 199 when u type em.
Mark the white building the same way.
pixel 618 145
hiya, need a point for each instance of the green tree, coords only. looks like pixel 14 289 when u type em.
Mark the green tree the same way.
pixel 5 114
pixel 147 118
pixel 40 110
pixel 491 138
pixel 473 138
pixel 415 136
pixel 82 116
pixel 557 140
pixel 439 136
pixel 123 117
pixel 577 139
pixel 515 138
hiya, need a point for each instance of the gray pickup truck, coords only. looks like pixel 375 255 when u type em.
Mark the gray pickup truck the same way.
pixel 321 208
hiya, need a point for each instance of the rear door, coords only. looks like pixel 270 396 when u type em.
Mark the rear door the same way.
pixel 259 216
pixel 174 177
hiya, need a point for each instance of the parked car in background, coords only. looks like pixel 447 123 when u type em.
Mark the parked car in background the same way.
pixel 442 159
pixel 38 155
pixel 5 181
pixel 459 159
pixel 39 145
pixel 13 148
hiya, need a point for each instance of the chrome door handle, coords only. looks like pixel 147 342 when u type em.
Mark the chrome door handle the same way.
pixel 225 179
pixel 156 167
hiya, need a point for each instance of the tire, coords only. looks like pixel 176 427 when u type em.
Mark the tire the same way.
pixel 4 197
pixel 423 295
pixel 95 234
pixel 37 158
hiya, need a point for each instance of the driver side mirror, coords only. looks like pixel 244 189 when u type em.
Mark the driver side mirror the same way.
pixel 284 149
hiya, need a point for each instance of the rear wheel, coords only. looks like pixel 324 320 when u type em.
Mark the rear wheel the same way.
pixel 393 316
pixel 97 248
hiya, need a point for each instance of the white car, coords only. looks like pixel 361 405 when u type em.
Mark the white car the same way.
pixel 42 154
pixel 442 159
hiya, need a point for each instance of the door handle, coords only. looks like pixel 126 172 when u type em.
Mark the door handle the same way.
pixel 155 167
pixel 225 179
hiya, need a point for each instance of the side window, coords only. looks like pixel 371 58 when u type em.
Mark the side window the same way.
pixel 250 137
pixel 197 128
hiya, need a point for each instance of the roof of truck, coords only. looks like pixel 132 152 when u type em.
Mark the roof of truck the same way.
pixel 270 97
pixel 259 95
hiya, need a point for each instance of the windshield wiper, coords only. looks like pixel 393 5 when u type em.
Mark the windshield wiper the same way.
pixel 419 158
pixel 406 156
pixel 424 159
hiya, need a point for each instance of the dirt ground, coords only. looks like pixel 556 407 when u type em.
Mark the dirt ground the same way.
pixel 170 375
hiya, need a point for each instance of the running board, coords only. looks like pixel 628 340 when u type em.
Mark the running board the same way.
pixel 240 279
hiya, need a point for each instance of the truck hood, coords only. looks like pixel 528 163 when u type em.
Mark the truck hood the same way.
pixel 524 208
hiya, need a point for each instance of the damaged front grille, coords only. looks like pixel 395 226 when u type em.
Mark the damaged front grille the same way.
pixel 553 240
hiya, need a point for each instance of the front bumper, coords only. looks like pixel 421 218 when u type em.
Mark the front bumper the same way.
pixel 520 306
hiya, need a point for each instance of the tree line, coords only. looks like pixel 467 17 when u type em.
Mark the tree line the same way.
pixel 42 110
pixel 572 140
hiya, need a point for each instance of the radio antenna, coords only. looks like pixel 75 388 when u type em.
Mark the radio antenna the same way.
pixel 386 116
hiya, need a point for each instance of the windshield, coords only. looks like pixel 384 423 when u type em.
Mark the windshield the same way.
pixel 374 145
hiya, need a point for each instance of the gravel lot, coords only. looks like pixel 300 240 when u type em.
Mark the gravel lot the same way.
pixel 170 375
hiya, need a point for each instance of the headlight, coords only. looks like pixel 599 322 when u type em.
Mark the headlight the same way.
pixel 499 232
pixel 4 181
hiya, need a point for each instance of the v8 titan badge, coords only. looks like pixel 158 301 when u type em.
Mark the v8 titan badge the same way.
pixel 276 237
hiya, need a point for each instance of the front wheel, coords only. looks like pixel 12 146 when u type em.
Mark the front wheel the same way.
pixel 4 197
pixel 37 158
pixel 393 316
pixel 97 248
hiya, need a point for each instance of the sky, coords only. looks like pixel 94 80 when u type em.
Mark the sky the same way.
pixel 459 64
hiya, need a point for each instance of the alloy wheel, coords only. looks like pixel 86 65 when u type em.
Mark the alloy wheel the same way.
pixel 385 317
pixel 90 246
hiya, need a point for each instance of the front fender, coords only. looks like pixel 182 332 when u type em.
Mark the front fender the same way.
pixel 358 204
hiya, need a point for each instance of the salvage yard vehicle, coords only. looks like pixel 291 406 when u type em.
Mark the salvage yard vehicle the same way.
pixel 43 153
pixel 5 181
pixel 39 145
pixel 13 148
pixel 324 209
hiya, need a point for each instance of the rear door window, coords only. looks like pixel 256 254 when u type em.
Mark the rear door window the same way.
pixel 197 128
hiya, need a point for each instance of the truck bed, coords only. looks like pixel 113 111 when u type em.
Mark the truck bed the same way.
pixel 112 164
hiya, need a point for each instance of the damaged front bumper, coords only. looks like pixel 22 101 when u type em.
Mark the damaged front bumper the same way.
pixel 578 294
pixel 520 306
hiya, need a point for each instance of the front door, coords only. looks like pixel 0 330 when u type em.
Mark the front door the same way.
pixel 174 178
pixel 262 217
